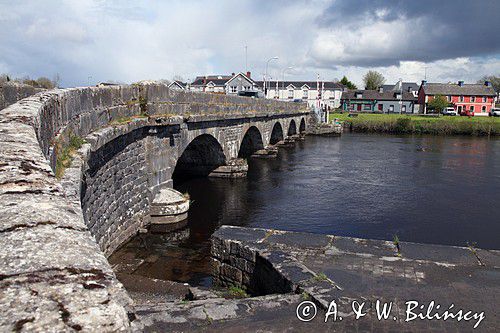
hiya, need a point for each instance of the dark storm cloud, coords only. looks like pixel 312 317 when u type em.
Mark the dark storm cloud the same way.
pixel 435 29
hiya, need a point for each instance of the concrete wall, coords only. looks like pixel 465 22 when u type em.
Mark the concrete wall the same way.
pixel 54 274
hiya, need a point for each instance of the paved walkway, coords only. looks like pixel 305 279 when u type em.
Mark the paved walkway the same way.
pixel 349 271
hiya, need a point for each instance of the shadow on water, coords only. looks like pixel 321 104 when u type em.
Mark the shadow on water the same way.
pixel 441 190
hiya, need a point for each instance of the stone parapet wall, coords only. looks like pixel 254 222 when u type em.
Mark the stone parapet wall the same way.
pixel 10 93
pixel 53 275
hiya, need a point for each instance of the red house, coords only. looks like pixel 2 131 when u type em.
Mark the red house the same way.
pixel 475 99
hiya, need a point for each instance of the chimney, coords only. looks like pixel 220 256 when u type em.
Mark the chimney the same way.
pixel 424 83
pixel 487 83
pixel 461 83
pixel 249 75
pixel 380 89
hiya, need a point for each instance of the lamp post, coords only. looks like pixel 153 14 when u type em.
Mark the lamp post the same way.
pixel 265 76
pixel 283 77
pixel 400 96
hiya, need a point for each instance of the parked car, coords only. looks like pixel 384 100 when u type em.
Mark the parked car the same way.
pixel 495 112
pixel 449 111
pixel 467 113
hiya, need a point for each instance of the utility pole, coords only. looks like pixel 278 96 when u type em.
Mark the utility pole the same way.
pixel 246 58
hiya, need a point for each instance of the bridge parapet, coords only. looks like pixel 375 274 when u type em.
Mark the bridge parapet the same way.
pixel 53 274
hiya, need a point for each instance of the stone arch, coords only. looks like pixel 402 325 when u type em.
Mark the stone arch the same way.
pixel 276 134
pixel 292 128
pixel 203 155
pixel 252 141
pixel 302 126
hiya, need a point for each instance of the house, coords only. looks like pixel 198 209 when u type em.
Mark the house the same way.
pixel 476 98
pixel 378 101
pixel 321 94
pixel 404 86
pixel 178 85
pixel 210 83
pixel 239 83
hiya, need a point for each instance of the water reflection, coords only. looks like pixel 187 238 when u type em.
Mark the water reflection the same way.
pixel 442 190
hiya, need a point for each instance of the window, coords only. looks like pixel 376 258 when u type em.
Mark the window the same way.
pixel 473 98
pixel 234 89
pixel 380 107
pixel 461 98
pixel 305 94
pixel 448 98
pixel 247 88
pixel 290 93
pixel 483 109
pixel 472 108
pixel 391 108
pixel 485 99
pixel 403 109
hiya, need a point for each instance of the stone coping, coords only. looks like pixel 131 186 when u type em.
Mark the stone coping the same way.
pixel 53 276
pixel 344 269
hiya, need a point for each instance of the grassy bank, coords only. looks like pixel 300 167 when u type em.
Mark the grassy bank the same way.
pixel 418 124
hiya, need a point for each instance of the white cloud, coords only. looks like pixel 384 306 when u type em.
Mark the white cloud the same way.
pixel 128 41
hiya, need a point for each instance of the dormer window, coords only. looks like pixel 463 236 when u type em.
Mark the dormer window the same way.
pixel 398 96
pixel 359 95
pixel 461 98
pixel 473 98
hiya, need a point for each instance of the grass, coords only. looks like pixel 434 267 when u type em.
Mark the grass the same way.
pixel 320 277
pixel 395 241
pixel 236 292
pixel 65 154
pixel 419 124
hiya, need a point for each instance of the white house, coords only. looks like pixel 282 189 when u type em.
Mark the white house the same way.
pixel 210 83
pixel 178 85
pixel 240 83
pixel 321 94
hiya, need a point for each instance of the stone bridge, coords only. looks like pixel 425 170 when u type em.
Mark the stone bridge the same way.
pixel 113 149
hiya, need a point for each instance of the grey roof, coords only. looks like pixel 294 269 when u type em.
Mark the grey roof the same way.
pixel 218 80
pixel 182 84
pixel 455 89
pixel 298 84
pixel 376 95
pixel 406 85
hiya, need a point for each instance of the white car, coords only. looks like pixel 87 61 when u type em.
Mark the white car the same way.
pixel 449 111
pixel 495 112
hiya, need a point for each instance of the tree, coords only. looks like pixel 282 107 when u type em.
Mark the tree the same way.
pixel 44 82
pixel 373 80
pixel 438 103
pixel 348 83
pixel 494 79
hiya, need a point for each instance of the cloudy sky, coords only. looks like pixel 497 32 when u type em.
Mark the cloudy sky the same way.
pixel 127 41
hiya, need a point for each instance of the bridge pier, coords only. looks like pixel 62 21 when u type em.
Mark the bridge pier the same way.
pixel 234 168
pixel 268 152
pixel 169 211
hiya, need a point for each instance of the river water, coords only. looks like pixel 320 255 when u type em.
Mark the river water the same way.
pixel 429 189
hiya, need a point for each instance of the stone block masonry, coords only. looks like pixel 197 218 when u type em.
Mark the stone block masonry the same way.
pixel 325 268
pixel 54 276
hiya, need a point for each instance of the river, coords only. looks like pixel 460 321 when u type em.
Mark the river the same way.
pixel 428 189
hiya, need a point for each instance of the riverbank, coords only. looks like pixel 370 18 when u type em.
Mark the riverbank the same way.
pixel 419 124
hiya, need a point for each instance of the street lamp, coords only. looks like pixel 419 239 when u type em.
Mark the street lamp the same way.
pixel 283 81
pixel 265 77
pixel 400 96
